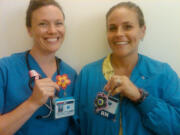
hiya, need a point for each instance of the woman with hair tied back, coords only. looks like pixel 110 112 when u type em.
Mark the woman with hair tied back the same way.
pixel 127 93
pixel 30 81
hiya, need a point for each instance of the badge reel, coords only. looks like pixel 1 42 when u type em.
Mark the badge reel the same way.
pixel 106 106
pixel 65 106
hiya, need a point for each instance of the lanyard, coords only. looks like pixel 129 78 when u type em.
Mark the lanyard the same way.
pixel 32 78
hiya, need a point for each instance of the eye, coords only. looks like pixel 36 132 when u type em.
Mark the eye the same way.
pixel 43 24
pixel 127 27
pixel 112 28
pixel 59 23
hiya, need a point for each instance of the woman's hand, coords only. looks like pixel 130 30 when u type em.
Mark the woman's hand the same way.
pixel 121 84
pixel 43 89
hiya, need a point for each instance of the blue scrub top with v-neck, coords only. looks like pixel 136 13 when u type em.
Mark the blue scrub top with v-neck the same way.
pixel 14 90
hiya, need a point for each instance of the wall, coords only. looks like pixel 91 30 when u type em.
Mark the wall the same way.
pixel 85 39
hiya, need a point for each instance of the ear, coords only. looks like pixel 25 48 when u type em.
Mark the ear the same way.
pixel 29 31
pixel 143 31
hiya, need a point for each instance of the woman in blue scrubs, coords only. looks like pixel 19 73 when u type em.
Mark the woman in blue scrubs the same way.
pixel 127 93
pixel 25 102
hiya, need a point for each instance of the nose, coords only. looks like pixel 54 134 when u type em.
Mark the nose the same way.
pixel 120 32
pixel 52 29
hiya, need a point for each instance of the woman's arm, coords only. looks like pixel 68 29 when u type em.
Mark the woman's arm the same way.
pixel 162 115
pixel 12 121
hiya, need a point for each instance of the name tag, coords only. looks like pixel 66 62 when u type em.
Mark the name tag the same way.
pixel 63 107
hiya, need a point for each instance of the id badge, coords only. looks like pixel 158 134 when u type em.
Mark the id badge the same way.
pixel 106 106
pixel 64 107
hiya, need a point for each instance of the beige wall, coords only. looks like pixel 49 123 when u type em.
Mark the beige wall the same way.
pixel 86 34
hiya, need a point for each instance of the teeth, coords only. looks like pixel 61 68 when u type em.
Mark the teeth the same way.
pixel 121 43
pixel 52 39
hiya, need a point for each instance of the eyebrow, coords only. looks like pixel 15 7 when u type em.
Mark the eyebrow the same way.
pixel 127 22
pixel 44 20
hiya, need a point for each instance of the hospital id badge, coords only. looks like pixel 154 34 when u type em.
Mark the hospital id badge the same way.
pixel 64 107
pixel 106 106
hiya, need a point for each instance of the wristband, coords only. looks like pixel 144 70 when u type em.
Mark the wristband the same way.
pixel 144 94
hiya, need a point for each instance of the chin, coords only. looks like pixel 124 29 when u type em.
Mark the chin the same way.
pixel 120 53
pixel 51 50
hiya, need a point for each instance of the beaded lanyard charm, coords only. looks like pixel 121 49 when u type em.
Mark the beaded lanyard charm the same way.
pixel 101 101
pixel 63 81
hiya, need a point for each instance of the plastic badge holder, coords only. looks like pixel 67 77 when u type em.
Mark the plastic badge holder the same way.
pixel 63 107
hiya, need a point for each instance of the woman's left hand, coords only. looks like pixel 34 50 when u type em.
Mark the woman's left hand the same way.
pixel 121 84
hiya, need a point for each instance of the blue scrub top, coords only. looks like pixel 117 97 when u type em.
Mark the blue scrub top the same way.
pixel 14 90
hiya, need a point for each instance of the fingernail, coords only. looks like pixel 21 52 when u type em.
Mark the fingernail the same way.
pixel 109 93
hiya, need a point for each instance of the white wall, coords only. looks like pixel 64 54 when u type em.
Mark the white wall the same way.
pixel 86 32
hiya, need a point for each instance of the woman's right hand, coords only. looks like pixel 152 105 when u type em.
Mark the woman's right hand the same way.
pixel 13 120
pixel 43 89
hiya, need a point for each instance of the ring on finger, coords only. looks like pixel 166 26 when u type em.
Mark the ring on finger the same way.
pixel 118 81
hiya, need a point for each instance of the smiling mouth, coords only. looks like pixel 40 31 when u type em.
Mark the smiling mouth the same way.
pixel 121 43
pixel 52 40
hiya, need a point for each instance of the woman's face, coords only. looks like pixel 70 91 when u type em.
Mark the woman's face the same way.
pixel 124 32
pixel 47 28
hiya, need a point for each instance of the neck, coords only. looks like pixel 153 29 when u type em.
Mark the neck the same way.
pixel 125 65
pixel 46 61
pixel 42 57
